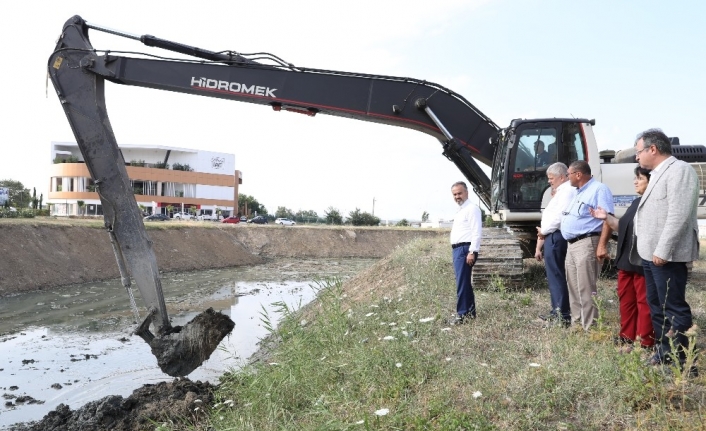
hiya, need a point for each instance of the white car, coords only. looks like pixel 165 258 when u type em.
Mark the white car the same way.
pixel 285 222
pixel 182 216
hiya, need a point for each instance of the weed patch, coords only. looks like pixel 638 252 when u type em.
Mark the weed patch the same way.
pixel 388 360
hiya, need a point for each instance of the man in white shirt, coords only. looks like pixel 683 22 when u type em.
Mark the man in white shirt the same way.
pixel 549 237
pixel 466 233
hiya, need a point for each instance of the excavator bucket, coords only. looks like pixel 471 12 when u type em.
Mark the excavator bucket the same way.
pixel 186 347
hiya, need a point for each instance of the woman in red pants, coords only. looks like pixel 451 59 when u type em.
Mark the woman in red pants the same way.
pixel 635 320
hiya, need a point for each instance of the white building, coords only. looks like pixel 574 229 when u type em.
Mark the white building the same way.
pixel 160 176
pixel 437 224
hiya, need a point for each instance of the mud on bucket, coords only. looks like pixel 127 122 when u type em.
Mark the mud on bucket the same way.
pixel 185 348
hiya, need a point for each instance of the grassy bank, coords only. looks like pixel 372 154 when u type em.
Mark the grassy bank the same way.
pixel 377 353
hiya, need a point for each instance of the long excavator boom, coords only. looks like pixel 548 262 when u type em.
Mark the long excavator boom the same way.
pixel 79 72
pixel 463 130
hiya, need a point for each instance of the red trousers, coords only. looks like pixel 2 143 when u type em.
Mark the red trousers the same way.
pixel 635 319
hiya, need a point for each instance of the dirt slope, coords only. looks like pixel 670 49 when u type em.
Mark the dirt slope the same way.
pixel 41 254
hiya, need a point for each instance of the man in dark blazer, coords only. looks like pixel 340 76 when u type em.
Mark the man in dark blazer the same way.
pixel 667 239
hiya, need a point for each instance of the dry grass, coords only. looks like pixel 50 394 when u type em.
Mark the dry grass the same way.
pixel 97 222
pixel 381 341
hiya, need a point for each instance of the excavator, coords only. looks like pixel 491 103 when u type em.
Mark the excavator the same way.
pixel 515 193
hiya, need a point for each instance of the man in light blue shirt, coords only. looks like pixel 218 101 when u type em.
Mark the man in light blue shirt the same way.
pixel 582 233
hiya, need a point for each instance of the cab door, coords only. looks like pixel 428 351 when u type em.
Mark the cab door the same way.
pixel 537 146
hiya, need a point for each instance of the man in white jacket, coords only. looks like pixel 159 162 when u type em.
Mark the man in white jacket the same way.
pixel 667 239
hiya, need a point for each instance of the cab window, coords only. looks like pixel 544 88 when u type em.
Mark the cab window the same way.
pixel 572 143
pixel 535 150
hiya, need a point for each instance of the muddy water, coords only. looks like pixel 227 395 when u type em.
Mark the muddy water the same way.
pixel 73 345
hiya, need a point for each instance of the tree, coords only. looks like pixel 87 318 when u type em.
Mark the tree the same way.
pixel 306 216
pixel 19 196
pixel 170 210
pixel 283 212
pixel 34 198
pixel 425 217
pixel 41 198
pixel 333 216
pixel 358 218
pixel 250 205
pixel 404 222
pixel 80 204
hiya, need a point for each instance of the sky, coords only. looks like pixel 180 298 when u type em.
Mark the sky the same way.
pixel 631 65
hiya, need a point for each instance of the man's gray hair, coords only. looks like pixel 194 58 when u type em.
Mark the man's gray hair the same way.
pixel 460 183
pixel 657 138
pixel 558 169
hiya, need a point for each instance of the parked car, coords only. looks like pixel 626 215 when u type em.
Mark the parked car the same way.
pixel 157 217
pixel 208 215
pixel 231 219
pixel 285 222
pixel 182 216
pixel 243 218
pixel 258 220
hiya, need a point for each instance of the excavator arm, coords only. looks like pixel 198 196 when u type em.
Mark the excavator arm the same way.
pixel 79 72
pixel 463 130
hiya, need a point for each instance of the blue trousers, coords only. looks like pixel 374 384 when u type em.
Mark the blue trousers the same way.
pixel 465 299
pixel 666 295
pixel 554 259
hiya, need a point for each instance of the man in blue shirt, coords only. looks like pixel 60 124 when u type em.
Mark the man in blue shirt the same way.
pixel 582 233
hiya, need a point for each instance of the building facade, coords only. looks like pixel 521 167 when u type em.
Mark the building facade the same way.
pixel 164 179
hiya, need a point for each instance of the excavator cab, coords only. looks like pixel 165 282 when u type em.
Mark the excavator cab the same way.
pixel 531 147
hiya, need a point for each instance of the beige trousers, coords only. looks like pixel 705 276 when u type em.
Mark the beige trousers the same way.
pixel 582 271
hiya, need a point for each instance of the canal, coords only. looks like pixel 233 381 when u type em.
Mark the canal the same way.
pixel 73 344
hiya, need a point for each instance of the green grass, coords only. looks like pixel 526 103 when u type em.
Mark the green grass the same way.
pixel 333 365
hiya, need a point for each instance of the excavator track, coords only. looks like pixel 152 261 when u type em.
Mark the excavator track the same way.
pixel 500 262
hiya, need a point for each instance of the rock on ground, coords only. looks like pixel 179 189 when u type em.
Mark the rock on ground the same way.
pixel 146 408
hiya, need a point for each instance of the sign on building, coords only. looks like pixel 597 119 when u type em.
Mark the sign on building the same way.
pixel 4 195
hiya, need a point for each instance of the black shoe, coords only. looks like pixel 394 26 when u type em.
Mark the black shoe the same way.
pixel 656 360
pixel 693 371
pixel 621 341
pixel 549 316
pixel 460 320
pixel 455 321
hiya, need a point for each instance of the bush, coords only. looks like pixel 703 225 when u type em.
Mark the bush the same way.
pixel 333 216
pixel 24 213
pixel 489 222
pixel 180 167
pixel 65 159
pixel 358 218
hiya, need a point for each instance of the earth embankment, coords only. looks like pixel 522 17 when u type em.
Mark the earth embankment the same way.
pixel 37 254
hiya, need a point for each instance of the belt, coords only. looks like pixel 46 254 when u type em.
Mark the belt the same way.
pixel 459 244
pixel 580 237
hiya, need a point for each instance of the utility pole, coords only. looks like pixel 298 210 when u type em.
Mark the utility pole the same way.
pixel 373 206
